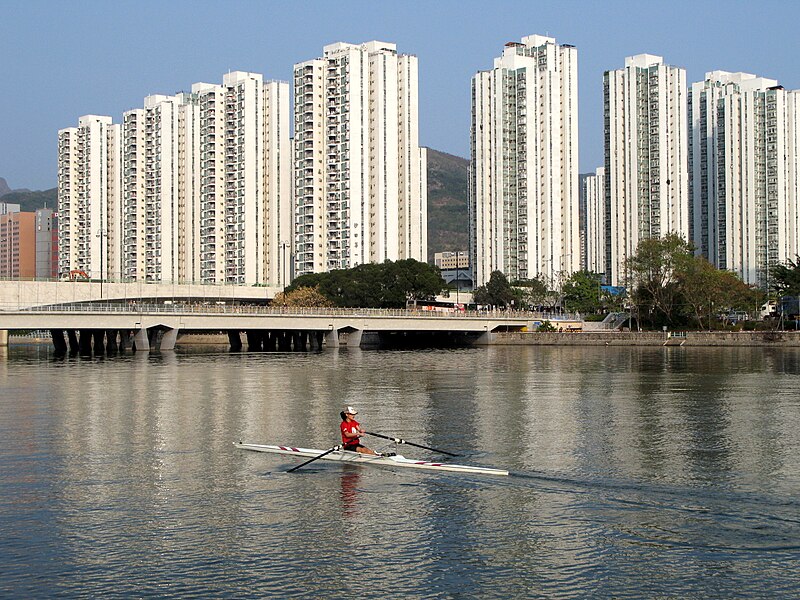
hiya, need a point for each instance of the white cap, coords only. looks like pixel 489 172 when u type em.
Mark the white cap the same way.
pixel 350 410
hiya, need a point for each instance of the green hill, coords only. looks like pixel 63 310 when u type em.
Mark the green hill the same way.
pixel 448 228
pixel 30 201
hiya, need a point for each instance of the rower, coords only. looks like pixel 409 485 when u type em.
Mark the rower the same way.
pixel 352 432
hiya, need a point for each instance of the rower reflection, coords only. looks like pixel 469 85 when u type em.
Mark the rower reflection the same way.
pixel 349 494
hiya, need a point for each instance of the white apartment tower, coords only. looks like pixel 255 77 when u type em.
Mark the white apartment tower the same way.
pixel 744 161
pixel 524 163
pixel 89 232
pixel 595 221
pixel 646 165
pixel 207 189
pixel 360 175
pixel 133 194
pixel 194 187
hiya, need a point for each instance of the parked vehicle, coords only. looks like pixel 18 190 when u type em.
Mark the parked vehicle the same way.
pixel 768 310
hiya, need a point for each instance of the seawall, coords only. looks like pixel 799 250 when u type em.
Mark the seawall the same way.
pixel 651 338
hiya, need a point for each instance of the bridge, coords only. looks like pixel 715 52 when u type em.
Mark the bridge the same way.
pixel 124 319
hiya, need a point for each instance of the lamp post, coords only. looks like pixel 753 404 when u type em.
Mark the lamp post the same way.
pixel 283 270
pixel 458 277
pixel 101 234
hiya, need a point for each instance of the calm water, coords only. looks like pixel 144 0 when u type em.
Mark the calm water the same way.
pixel 636 472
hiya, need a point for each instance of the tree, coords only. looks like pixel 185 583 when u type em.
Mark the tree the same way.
pixel 532 292
pixel 654 270
pixel 786 278
pixel 303 296
pixel 700 283
pixel 582 292
pixel 496 292
pixel 414 280
pixel 386 285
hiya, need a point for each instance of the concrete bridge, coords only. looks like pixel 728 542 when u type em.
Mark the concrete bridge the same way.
pixel 145 317
pixel 16 294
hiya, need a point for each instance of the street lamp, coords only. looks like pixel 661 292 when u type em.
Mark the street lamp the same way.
pixel 101 234
pixel 458 278
pixel 283 270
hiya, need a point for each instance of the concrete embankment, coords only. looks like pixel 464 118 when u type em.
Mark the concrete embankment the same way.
pixel 652 338
pixel 202 339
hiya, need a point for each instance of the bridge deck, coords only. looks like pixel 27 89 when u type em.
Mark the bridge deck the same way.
pixel 243 317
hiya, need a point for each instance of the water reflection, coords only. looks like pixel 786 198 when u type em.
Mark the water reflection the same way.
pixel 350 480
pixel 633 465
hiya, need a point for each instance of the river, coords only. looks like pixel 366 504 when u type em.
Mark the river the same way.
pixel 635 473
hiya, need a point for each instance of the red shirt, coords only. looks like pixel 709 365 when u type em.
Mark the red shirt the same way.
pixel 350 427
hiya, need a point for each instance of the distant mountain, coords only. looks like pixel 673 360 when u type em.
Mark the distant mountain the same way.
pixel 30 201
pixel 4 189
pixel 448 228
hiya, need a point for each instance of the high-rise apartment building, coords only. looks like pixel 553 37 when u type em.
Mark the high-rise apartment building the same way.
pixel 204 190
pixel 594 221
pixel 360 175
pixel 89 197
pixel 646 165
pixel 217 183
pixel 524 163
pixel 745 173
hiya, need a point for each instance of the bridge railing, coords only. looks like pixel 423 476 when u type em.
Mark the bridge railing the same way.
pixel 247 309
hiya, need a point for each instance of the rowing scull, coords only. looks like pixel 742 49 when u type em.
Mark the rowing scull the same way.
pixel 367 459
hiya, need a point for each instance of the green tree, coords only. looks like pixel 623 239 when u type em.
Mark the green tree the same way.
pixel 496 292
pixel 700 286
pixel 532 292
pixel 413 280
pixel 654 270
pixel 386 285
pixel 786 278
pixel 582 292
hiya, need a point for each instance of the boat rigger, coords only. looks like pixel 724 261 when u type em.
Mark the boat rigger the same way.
pixel 366 459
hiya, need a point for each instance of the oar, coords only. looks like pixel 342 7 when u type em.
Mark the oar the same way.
pixel 399 441
pixel 310 460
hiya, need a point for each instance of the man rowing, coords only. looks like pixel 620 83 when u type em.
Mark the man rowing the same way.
pixel 352 432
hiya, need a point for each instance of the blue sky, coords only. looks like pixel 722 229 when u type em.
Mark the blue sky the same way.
pixel 60 60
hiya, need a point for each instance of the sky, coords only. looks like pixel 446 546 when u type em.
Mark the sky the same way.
pixel 63 59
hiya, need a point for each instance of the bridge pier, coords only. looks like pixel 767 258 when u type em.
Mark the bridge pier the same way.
pixel 235 340
pixel 59 343
pixel 111 341
pixel 316 339
pixel 270 341
pixel 254 343
pixel 141 343
pixel 125 342
pixel 332 338
pixel 284 342
pixel 299 339
pixel 354 338
pixel 485 339
pixel 85 342
pixel 99 336
pixel 72 338
pixel 168 339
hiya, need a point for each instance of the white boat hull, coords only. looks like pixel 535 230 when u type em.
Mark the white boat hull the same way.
pixel 367 459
